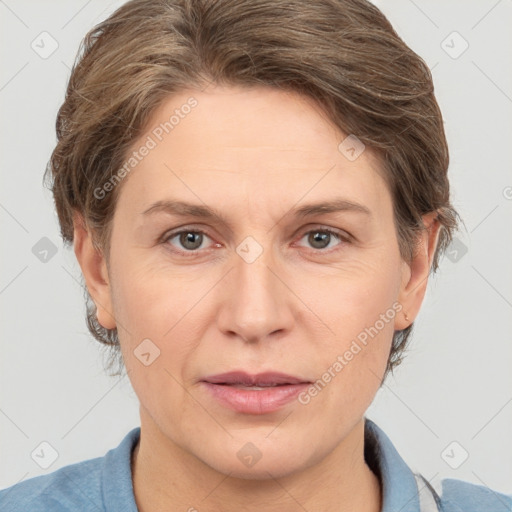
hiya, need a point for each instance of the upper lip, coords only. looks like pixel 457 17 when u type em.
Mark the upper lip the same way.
pixel 259 379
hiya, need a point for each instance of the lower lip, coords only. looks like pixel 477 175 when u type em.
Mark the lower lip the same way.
pixel 253 401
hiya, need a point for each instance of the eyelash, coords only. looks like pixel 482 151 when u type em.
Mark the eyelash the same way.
pixel 168 236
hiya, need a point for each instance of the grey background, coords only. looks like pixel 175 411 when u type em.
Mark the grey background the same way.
pixel 455 384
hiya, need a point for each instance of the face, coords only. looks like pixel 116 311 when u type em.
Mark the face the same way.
pixel 299 300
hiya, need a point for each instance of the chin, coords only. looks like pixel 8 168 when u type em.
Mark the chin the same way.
pixel 247 462
pixel 260 471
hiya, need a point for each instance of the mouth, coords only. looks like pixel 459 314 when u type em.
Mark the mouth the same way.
pixel 261 393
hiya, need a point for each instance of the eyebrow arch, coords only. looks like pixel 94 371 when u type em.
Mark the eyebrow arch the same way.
pixel 182 208
pixel 336 205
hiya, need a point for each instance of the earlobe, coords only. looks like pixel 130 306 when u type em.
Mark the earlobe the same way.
pixel 94 269
pixel 415 274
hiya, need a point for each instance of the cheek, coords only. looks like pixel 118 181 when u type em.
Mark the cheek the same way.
pixel 359 306
pixel 157 302
pixel 148 299
pixel 139 303
pixel 352 297
pixel 156 337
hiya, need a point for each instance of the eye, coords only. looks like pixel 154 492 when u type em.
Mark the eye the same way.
pixel 189 240
pixel 321 238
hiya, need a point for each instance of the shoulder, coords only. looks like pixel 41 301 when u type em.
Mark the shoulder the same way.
pixel 73 487
pixel 405 489
pixel 462 496
pixel 95 485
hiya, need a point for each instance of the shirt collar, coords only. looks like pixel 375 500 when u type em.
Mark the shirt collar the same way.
pixel 398 485
pixel 116 475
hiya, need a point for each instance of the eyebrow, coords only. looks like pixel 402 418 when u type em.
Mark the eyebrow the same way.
pixel 184 209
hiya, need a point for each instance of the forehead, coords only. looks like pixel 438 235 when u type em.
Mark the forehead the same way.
pixel 260 144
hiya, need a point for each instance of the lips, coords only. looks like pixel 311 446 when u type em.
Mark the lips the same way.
pixel 266 379
pixel 261 393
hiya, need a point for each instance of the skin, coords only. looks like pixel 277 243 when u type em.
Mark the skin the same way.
pixel 253 154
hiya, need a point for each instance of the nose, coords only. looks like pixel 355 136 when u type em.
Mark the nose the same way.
pixel 257 302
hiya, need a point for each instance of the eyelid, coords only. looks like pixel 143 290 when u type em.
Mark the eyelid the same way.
pixel 345 235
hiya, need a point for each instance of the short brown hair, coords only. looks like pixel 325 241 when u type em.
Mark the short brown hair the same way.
pixel 342 53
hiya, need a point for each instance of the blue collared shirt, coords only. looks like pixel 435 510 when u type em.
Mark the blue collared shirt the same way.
pixel 104 484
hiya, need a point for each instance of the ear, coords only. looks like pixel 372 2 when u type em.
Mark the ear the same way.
pixel 415 274
pixel 94 269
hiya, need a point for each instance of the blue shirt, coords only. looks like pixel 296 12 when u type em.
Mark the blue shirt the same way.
pixel 104 484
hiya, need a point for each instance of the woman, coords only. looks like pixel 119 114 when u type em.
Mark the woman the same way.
pixel 299 149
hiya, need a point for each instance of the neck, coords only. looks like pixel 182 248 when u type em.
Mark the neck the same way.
pixel 338 483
